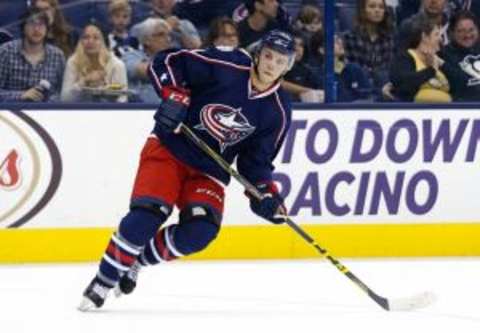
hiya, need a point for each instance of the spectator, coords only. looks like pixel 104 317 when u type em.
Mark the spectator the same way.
pixel 119 39
pixel 60 32
pixel 463 55
pixel 407 8
pixel 154 35
pixel 93 66
pixel 371 43
pixel 351 80
pixel 223 32
pixel 31 70
pixel 264 16
pixel 435 11
pixel 184 33
pixel 301 81
pixel 417 73
pixel 308 21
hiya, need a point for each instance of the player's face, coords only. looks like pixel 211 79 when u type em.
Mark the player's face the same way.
pixel 271 65
pixel 120 20
pixel 434 7
pixel 374 11
pixel 466 33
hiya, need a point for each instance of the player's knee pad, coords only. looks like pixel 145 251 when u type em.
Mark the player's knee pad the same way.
pixel 198 226
pixel 142 221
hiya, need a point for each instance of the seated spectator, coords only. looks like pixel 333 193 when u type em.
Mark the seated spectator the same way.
pixel 94 68
pixel 417 73
pixel 60 33
pixel 5 36
pixel 154 35
pixel 351 80
pixel 223 32
pixel 184 33
pixel 31 70
pixel 301 81
pixel 407 8
pixel 371 43
pixel 263 16
pixel 308 21
pixel 119 39
pixel 463 55
pixel 435 11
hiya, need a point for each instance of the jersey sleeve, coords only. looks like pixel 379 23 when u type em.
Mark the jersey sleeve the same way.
pixel 192 68
pixel 255 162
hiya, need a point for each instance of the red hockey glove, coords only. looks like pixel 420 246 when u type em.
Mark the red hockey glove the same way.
pixel 173 109
pixel 271 206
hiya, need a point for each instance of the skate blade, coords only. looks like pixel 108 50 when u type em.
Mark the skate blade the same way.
pixel 86 305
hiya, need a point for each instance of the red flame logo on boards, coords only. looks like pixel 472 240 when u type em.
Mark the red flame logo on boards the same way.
pixel 10 171
pixel 30 168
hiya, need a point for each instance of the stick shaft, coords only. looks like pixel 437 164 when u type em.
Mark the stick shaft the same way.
pixel 383 302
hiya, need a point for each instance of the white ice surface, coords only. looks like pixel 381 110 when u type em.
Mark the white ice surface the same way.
pixel 247 297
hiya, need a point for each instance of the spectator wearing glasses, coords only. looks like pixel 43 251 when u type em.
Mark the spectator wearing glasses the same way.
pixel 31 70
pixel 463 55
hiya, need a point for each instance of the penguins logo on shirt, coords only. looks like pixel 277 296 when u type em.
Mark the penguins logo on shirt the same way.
pixel 471 65
pixel 227 125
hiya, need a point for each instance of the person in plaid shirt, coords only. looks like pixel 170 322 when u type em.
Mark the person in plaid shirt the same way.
pixel 30 69
pixel 371 43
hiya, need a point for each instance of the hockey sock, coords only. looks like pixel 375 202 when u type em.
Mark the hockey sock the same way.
pixel 135 229
pixel 178 240
pixel 160 248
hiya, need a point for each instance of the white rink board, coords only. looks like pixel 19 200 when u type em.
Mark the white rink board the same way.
pixel 100 149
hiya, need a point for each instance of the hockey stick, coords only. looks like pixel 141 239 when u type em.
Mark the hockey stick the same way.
pixel 398 304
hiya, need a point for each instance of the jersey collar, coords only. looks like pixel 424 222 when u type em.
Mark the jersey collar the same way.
pixel 253 94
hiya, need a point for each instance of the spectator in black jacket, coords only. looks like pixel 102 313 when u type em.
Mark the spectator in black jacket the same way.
pixel 417 73
pixel 463 54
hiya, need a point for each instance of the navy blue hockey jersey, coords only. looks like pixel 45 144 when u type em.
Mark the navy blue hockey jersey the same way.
pixel 225 111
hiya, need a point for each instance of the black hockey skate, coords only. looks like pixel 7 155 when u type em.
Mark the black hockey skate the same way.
pixel 128 281
pixel 94 296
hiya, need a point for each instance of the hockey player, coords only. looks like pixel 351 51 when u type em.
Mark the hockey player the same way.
pixel 236 105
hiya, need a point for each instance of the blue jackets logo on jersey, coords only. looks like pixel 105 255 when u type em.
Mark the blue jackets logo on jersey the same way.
pixel 226 124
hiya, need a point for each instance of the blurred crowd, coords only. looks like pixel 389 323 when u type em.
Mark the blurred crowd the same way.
pixel 399 50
